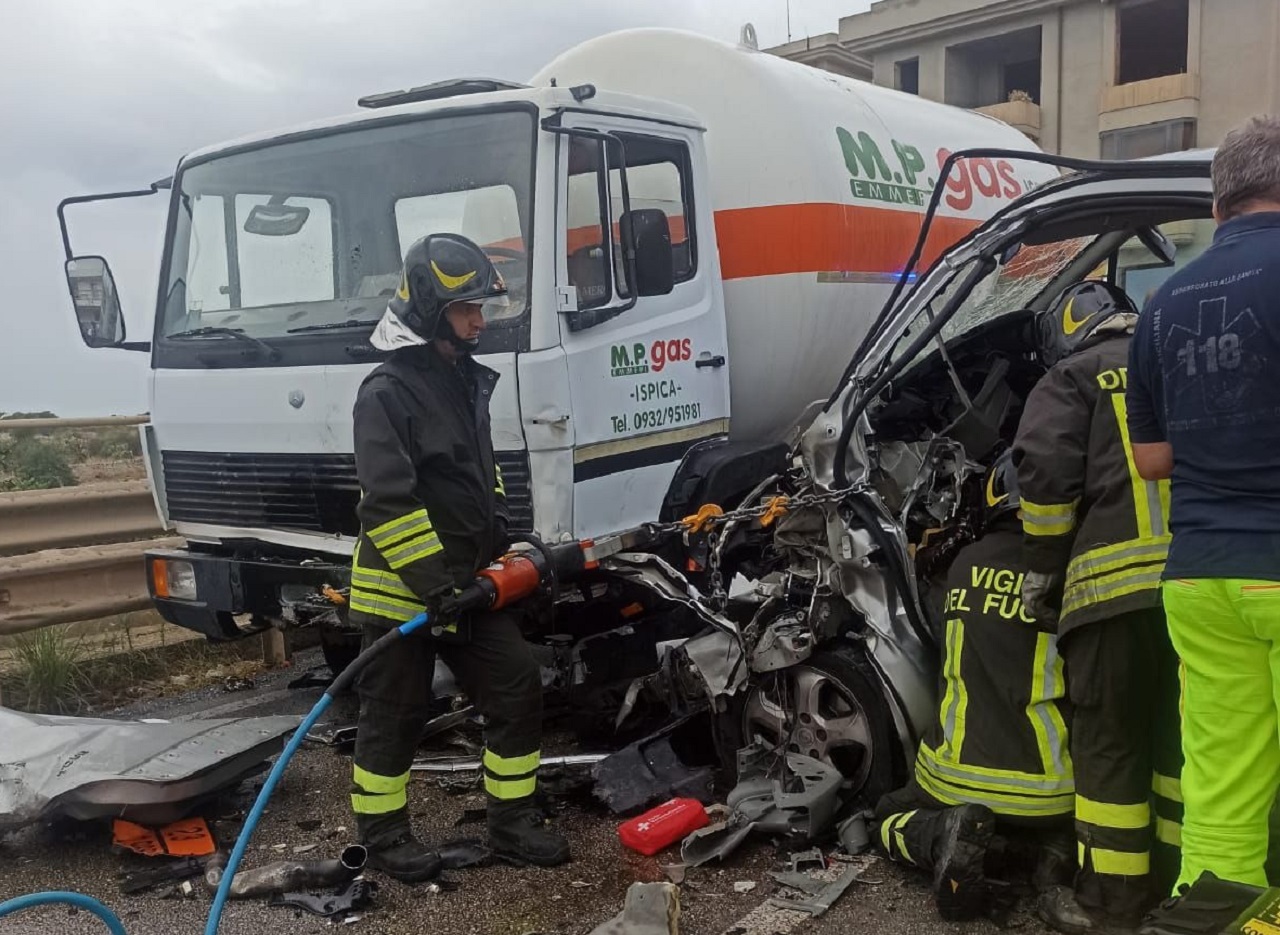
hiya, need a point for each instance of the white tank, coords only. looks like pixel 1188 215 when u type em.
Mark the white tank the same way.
pixel 819 185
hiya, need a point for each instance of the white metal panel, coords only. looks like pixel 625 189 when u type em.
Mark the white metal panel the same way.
pixel 249 410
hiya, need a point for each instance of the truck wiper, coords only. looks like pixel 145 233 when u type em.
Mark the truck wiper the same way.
pixel 235 333
pixel 334 325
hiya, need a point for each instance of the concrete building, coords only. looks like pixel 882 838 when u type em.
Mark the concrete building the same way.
pixel 1086 78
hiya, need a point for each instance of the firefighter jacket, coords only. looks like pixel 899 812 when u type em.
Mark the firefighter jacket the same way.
pixel 1000 737
pixel 1087 514
pixel 431 492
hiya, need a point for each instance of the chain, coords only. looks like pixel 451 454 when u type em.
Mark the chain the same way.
pixel 711 518
pixel 719 598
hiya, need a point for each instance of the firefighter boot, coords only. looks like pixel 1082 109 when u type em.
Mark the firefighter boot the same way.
pixel 959 887
pixel 1058 908
pixel 394 850
pixel 518 831
pixel 1055 861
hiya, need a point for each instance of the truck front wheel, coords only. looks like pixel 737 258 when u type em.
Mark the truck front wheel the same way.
pixel 340 647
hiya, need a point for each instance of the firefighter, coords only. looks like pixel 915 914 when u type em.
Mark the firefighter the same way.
pixel 432 513
pixel 996 758
pixel 1096 540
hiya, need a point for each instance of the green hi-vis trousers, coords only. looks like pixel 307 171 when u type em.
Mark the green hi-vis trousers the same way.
pixel 1227 631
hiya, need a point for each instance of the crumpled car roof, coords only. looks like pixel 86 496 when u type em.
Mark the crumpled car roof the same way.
pixel 152 772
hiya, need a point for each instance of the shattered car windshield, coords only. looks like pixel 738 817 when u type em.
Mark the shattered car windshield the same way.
pixel 1017 279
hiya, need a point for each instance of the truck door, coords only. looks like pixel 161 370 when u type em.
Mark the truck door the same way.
pixel 647 350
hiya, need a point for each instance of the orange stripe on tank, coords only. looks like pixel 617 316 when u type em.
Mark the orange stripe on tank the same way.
pixel 815 238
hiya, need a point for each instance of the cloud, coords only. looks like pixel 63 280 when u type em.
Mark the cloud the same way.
pixel 107 96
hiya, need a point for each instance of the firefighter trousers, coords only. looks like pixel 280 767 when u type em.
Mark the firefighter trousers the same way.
pixel 498 673
pixel 910 829
pixel 1122 679
pixel 1227 632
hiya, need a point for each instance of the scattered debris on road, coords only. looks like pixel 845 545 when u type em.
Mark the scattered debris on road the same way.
pixel 187 838
pixel 649 909
pixel 463 853
pixel 288 875
pixel 651 770
pixel 821 893
pixel 353 896
pixel 139 881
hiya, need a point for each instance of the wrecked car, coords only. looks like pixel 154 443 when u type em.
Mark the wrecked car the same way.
pixel 885 482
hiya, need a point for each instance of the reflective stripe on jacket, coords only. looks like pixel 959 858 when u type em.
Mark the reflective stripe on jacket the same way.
pixel 1086 512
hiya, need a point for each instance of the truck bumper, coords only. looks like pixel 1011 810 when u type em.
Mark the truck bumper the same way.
pixel 227 586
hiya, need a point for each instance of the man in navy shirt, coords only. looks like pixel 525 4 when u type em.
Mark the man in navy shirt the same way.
pixel 1204 409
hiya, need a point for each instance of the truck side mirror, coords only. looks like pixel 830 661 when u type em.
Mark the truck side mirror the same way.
pixel 647 229
pixel 94 298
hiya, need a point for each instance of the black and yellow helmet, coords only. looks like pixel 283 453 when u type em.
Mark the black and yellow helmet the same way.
pixel 1076 315
pixel 1000 489
pixel 440 270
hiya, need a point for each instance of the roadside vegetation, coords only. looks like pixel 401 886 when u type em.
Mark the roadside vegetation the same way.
pixel 40 459
pixel 98 665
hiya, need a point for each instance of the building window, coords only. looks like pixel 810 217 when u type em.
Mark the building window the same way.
pixel 1021 78
pixel 907 75
pixel 1153 139
pixel 1151 39
pixel 994 69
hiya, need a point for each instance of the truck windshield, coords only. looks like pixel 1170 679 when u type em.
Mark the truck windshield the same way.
pixel 299 244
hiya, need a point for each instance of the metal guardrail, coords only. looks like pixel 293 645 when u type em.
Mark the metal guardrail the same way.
pixel 75 553
pixel 66 585
pixel 33 520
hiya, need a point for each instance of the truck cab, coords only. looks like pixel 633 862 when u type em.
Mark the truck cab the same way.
pixel 280 254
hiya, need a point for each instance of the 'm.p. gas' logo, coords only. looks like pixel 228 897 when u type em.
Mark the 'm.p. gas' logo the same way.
pixel 899 175
pixel 627 360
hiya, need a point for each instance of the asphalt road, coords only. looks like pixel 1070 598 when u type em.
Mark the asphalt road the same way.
pixel 494 900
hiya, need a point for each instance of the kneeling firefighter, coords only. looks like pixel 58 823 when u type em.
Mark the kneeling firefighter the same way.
pixel 432 513
pixel 996 760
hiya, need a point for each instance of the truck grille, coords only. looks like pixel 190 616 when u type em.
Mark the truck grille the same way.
pixel 316 493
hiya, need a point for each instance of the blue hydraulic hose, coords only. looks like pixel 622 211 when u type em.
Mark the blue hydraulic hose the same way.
pixel 339 684
pixel 71 899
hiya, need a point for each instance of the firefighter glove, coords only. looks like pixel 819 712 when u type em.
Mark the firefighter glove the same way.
pixel 501 537
pixel 1042 597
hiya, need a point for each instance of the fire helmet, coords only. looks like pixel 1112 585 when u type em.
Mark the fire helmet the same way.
pixel 1000 492
pixel 441 270
pixel 1075 316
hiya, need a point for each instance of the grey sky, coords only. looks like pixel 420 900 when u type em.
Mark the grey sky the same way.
pixel 103 96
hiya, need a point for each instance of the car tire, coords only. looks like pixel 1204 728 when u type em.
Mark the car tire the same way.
pixel 340 647
pixel 843 719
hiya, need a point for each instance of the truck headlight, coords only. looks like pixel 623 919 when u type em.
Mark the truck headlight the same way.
pixel 173 579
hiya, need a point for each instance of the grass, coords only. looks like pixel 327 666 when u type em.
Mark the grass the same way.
pixel 77 669
pixel 50 674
